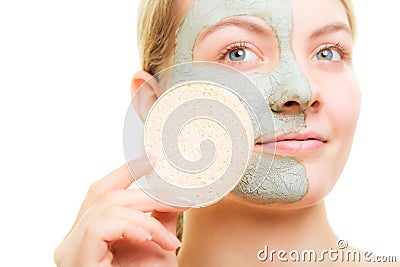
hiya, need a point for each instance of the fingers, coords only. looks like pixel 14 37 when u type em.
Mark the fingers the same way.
pixel 130 207
pixel 119 179
pixel 122 177
pixel 135 202
pixel 168 219
pixel 95 242
pixel 128 224
pixel 155 230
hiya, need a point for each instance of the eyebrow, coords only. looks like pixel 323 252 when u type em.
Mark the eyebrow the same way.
pixel 329 29
pixel 237 22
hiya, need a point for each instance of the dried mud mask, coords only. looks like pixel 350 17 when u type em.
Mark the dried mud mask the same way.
pixel 267 179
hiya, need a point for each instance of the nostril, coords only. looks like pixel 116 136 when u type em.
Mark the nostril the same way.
pixel 291 104
pixel 315 105
pixel 290 108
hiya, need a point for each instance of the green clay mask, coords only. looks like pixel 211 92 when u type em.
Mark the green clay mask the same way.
pixel 267 179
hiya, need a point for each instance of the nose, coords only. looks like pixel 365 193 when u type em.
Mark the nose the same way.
pixel 291 97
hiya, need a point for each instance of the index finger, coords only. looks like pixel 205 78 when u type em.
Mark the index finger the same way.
pixel 118 179
pixel 123 177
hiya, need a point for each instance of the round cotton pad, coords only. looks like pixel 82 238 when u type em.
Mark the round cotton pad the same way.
pixel 217 123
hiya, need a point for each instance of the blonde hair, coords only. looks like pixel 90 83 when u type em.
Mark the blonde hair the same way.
pixel 156 29
pixel 156 34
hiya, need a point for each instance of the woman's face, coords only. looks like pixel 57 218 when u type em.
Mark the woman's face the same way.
pixel 315 52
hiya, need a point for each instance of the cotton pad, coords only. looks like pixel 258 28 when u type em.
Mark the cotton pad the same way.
pixel 203 125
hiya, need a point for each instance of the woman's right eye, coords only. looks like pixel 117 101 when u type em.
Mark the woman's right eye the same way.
pixel 240 55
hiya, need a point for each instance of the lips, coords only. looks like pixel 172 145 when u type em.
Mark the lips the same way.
pixel 292 143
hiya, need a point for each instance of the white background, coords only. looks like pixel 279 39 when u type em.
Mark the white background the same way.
pixel 65 70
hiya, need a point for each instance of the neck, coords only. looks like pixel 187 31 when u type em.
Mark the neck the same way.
pixel 231 233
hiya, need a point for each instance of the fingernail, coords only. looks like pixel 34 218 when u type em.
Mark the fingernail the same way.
pixel 146 234
pixel 175 240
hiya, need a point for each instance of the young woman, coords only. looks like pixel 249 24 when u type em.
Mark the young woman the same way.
pixel 312 38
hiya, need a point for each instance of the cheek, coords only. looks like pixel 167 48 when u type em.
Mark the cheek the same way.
pixel 343 109
pixel 342 101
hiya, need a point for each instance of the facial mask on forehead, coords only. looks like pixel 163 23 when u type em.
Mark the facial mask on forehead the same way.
pixel 286 180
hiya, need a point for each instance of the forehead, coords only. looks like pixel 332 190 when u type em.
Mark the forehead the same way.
pixel 210 12
pixel 204 14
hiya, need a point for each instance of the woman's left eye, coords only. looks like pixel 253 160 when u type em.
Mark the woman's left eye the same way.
pixel 328 55
pixel 240 55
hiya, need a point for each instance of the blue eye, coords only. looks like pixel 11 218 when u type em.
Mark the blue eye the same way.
pixel 240 55
pixel 328 55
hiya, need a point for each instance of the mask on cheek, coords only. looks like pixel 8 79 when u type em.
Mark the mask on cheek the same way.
pixel 266 179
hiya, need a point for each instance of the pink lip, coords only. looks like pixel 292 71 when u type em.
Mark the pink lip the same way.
pixel 292 143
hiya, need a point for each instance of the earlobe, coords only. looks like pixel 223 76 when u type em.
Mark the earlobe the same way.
pixel 143 93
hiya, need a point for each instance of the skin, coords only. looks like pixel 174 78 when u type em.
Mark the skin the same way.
pixel 230 232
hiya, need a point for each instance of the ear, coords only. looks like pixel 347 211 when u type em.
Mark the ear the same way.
pixel 143 93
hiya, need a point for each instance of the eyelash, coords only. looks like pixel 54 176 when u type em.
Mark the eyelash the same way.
pixel 338 47
pixel 233 47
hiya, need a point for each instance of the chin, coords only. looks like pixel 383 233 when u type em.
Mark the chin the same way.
pixel 322 175
pixel 321 178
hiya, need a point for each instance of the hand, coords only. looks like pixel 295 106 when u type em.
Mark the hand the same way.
pixel 113 229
